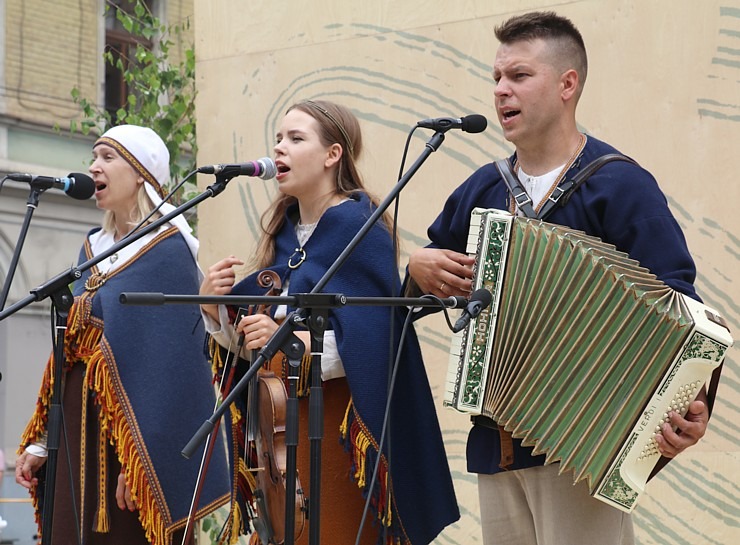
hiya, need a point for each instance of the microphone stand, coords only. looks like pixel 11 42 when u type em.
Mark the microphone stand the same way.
pixel 307 304
pixel 57 289
pixel 61 303
pixel 316 306
pixel 316 408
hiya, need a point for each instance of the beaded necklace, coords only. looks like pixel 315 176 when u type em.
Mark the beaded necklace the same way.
pixel 568 165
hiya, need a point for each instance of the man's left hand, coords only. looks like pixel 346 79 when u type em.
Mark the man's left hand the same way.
pixel 689 429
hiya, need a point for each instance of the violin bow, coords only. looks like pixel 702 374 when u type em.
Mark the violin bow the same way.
pixel 224 388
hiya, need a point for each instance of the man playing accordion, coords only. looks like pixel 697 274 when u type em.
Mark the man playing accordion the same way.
pixel 539 73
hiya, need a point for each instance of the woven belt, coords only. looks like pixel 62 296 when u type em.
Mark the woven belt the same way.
pixel 506 440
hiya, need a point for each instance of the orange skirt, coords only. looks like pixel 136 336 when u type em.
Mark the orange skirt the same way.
pixel 342 503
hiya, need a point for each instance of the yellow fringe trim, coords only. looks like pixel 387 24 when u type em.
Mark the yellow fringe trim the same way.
pixel 236 522
pixel 363 443
pixel 83 455
pixel 217 362
pixel 360 441
pixel 83 347
pixel 344 426
pixel 87 343
pixel 113 422
pixel 101 523
pixel 304 376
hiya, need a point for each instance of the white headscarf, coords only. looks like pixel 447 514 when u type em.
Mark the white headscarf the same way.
pixel 145 151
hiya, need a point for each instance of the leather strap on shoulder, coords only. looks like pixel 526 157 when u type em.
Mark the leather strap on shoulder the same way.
pixel 563 192
pixel 521 197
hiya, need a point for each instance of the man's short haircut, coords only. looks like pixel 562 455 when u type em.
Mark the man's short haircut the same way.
pixel 568 52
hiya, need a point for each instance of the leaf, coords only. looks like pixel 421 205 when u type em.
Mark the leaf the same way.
pixel 126 20
pixel 160 86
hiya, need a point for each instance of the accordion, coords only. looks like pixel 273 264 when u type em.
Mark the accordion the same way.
pixel 582 352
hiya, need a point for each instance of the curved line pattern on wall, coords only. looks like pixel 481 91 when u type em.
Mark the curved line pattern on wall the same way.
pixel 395 103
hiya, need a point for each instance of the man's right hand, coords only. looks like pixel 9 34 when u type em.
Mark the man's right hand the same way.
pixel 443 273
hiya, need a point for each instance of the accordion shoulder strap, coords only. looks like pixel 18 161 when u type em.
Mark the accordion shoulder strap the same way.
pixel 564 191
pixel 519 194
pixel 561 194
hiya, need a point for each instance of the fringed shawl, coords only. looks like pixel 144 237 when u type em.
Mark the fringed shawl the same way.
pixel 422 496
pixel 146 373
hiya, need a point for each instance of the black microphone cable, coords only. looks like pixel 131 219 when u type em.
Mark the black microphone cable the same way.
pixel 394 362
pixel 166 198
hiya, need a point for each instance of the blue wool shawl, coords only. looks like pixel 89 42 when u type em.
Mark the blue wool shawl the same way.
pixel 620 203
pixel 156 385
pixel 423 496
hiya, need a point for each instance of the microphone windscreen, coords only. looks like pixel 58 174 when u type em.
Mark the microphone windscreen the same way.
pixel 270 168
pixel 82 187
pixel 482 295
pixel 474 123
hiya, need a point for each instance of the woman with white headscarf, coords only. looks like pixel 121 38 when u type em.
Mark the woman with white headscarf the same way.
pixel 137 383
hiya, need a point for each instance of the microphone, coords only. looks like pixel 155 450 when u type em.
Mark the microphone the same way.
pixel 479 300
pixel 473 123
pixel 263 168
pixel 76 185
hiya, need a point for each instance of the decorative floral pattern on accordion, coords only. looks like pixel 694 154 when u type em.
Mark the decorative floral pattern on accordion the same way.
pixel 699 347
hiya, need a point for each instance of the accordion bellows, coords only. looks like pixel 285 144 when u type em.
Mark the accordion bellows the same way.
pixel 582 352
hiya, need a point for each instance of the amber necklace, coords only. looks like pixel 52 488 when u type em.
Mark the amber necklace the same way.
pixel 566 167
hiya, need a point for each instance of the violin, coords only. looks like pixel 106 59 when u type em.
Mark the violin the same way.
pixel 267 424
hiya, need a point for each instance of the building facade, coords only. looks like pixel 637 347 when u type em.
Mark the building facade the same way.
pixel 45 54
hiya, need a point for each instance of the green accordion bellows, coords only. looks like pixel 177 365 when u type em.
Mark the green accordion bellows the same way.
pixel 582 352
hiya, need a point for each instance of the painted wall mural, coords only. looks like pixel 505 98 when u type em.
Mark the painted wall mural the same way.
pixel 663 87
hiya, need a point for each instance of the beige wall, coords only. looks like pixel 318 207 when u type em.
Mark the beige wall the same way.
pixel 663 87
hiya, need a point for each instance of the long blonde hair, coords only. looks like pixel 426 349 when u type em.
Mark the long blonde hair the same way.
pixel 337 125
